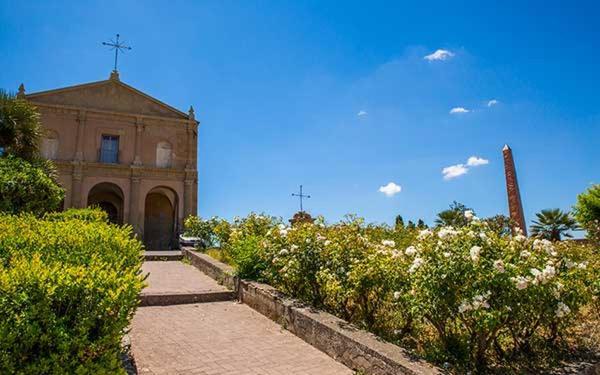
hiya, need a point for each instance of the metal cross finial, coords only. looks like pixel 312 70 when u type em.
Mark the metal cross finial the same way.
pixel 301 196
pixel 118 46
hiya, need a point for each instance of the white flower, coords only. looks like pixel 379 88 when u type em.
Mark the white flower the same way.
pixel 326 243
pixel 397 295
pixel 447 254
pixel 469 214
pixel 562 310
pixel 521 282
pixel 582 265
pixel 388 243
pixel 447 232
pixel 499 265
pixel 525 254
pixel 410 251
pixel 417 262
pixel 283 232
pixel 483 236
pixel 294 247
pixel 474 252
pixel 480 301
pixel 549 272
pixel 424 234
pixel 396 254
pixel 320 237
pixel 519 237
pixel 283 252
pixel 464 306
pixel 570 264
pixel 543 245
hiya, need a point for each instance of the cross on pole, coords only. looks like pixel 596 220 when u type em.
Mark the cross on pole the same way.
pixel 301 196
pixel 118 46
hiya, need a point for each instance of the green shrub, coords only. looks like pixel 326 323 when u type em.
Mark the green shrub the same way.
pixel 92 214
pixel 68 291
pixel 587 212
pixel 25 187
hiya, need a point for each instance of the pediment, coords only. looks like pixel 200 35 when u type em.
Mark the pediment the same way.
pixel 110 95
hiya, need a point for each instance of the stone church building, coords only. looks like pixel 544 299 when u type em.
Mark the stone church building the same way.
pixel 124 151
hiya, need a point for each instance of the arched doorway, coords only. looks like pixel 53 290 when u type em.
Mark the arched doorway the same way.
pixel 159 219
pixel 109 197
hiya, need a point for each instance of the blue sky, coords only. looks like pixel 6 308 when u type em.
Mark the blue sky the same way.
pixel 278 87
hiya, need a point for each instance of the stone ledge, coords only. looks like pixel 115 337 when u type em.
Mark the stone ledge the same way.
pixel 355 348
pixel 165 299
pixel 223 273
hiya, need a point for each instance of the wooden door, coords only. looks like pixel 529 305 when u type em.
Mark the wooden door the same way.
pixel 158 222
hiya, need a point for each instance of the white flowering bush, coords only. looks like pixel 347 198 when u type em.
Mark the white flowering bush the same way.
pixel 479 290
pixel 463 295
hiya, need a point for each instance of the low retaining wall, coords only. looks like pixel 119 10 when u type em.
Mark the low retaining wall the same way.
pixel 223 273
pixel 355 348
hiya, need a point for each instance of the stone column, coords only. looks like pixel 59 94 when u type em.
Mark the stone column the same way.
pixel 81 119
pixel 188 197
pixel 76 186
pixel 191 139
pixel 515 206
pixel 139 133
pixel 134 203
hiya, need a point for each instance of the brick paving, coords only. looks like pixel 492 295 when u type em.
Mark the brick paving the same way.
pixel 177 277
pixel 221 338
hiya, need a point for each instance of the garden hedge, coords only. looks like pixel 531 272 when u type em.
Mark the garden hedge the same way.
pixel 68 291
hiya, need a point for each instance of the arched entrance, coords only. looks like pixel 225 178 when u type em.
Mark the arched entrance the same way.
pixel 159 219
pixel 109 197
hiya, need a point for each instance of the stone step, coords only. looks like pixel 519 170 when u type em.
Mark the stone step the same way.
pixel 163 255
pixel 165 299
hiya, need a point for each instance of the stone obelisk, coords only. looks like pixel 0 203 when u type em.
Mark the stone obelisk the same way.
pixel 512 189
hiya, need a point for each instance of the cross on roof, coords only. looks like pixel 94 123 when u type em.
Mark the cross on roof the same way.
pixel 118 46
pixel 301 196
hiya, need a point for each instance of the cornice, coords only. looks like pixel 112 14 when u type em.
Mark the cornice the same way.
pixel 130 116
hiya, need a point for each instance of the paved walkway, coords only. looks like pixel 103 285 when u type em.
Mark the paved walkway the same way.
pixel 177 278
pixel 215 338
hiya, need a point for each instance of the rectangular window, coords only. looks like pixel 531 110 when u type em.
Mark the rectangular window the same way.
pixel 109 149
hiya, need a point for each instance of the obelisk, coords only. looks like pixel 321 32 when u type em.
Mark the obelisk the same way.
pixel 515 207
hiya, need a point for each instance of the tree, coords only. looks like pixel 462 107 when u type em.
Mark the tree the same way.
pixel 553 224
pixel 454 216
pixel 26 187
pixel 421 224
pixel 410 225
pixel 399 222
pixel 587 211
pixel 500 224
pixel 20 128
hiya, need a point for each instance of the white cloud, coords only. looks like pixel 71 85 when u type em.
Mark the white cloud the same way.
pixel 362 113
pixel 454 171
pixel 492 103
pixel 457 110
pixel 440 54
pixel 390 189
pixel 475 161
pixel 457 170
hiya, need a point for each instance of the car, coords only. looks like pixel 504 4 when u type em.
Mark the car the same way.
pixel 190 241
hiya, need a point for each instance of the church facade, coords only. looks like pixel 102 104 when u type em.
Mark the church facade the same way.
pixel 124 151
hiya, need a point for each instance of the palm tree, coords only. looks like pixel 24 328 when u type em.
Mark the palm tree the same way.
pixel 553 224
pixel 20 128
pixel 454 216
